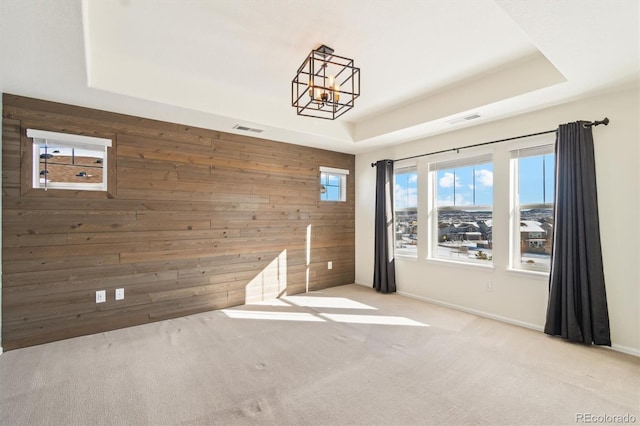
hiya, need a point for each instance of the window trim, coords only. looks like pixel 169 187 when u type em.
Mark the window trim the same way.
pixel 68 138
pixel 515 254
pixel 28 142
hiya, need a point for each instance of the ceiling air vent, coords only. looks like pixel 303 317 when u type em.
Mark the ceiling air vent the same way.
pixel 248 129
pixel 464 119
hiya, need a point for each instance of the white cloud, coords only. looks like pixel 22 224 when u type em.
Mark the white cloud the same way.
pixel 448 180
pixel 447 201
pixel 462 201
pixel 484 177
pixel 405 197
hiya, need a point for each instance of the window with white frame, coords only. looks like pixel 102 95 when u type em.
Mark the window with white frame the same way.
pixel 68 161
pixel 532 186
pixel 333 184
pixel 461 210
pixel 406 210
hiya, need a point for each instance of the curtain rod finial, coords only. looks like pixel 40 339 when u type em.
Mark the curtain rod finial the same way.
pixel 598 122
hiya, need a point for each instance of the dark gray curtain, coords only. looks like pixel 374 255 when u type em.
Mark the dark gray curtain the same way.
pixel 384 274
pixel 577 308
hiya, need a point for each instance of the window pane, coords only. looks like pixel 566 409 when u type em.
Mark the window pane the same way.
pixel 59 164
pixel 333 180
pixel 331 186
pixel 406 211
pixel 536 179
pixel 65 161
pixel 536 194
pixel 464 200
pixel 333 193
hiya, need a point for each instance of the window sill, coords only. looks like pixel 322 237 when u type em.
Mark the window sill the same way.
pixel 66 193
pixel 476 266
pixel 529 273
pixel 406 257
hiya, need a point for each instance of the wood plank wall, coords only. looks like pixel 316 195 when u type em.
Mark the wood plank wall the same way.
pixel 194 220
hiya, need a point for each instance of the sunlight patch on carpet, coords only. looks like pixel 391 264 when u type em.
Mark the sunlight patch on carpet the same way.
pixel 327 302
pixel 373 319
pixel 264 315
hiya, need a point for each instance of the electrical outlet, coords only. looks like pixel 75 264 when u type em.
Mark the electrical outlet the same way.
pixel 119 293
pixel 489 286
pixel 101 296
pixel 329 265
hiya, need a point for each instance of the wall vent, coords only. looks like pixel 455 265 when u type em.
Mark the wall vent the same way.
pixel 464 119
pixel 248 129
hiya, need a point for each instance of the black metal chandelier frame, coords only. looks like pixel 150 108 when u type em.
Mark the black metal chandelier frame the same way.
pixel 326 85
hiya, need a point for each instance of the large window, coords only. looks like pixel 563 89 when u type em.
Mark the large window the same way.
pixel 532 171
pixel 333 184
pixel 406 210
pixel 68 161
pixel 462 210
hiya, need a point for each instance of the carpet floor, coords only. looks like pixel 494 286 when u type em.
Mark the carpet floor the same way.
pixel 341 356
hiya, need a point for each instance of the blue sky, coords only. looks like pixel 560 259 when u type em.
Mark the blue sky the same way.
pixel 466 186
pixel 473 185
pixel 331 182
pixel 531 182
pixel 406 194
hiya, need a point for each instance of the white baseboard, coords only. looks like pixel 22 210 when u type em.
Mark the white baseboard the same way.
pixel 614 347
pixel 474 311
pixel 624 349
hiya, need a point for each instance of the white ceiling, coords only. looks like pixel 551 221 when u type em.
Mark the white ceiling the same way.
pixel 219 63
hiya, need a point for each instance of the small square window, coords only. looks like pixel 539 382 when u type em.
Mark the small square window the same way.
pixel 333 184
pixel 67 161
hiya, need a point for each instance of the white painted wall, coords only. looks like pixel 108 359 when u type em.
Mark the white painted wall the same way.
pixel 519 297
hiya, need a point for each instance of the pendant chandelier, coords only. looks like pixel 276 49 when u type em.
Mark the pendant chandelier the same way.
pixel 326 85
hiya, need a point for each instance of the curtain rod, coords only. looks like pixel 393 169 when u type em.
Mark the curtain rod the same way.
pixel 592 123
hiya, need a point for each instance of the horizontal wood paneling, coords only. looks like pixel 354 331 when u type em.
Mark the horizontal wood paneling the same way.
pixel 197 220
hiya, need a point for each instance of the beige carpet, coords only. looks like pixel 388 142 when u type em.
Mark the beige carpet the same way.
pixel 341 356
